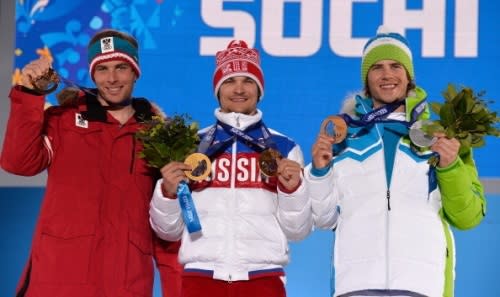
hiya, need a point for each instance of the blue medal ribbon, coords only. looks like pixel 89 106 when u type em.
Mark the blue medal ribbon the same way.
pixel 433 183
pixel 188 209
pixel 380 114
pixel 417 111
pixel 206 145
pixel 374 116
pixel 255 143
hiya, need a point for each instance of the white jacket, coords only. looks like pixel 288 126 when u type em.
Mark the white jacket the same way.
pixel 246 221
pixel 392 236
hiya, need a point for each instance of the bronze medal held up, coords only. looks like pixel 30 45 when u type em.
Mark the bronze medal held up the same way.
pixel 47 83
pixel 268 162
pixel 334 126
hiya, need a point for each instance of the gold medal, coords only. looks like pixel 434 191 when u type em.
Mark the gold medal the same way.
pixel 200 165
pixel 336 127
pixel 47 83
pixel 268 162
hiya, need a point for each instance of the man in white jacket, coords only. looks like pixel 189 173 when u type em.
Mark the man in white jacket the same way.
pixel 246 218
pixel 391 210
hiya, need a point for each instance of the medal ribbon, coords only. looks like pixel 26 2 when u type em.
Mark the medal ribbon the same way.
pixel 379 115
pixel 188 209
pixel 256 144
pixel 417 111
pixel 374 116
pixel 206 147
pixel 186 202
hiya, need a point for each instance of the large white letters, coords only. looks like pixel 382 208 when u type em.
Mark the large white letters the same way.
pixel 215 16
pixel 430 19
pixel 341 41
pixel 273 23
pixel 466 28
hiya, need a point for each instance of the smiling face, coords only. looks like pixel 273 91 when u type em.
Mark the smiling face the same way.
pixel 115 81
pixel 239 94
pixel 387 82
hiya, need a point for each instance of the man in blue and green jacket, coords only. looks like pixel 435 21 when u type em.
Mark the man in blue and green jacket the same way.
pixel 391 210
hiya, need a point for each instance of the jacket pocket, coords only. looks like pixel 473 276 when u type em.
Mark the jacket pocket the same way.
pixel 63 255
pixel 140 271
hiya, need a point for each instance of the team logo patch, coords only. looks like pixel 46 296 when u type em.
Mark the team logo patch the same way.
pixel 80 121
pixel 107 45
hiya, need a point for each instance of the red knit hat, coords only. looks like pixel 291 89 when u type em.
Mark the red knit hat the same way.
pixel 238 60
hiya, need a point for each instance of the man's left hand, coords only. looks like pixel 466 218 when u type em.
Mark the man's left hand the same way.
pixel 447 148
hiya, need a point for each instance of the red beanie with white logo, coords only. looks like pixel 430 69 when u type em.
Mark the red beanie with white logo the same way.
pixel 238 60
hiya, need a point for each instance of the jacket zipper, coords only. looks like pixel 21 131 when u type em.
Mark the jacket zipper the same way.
pixel 133 155
pixel 388 196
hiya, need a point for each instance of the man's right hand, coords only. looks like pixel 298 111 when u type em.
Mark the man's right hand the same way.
pixel 34 70
pixel 173 174
pixel 322 151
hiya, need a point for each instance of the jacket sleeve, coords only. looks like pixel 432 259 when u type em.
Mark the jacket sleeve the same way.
pixel 324 199
pixel 462 194
pixel 169 268
pixel 27 147
pixel 165 215
pixel 294 209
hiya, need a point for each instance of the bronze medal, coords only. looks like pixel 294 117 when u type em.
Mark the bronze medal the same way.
pixel 336 127
pixel 268 162
pixel 47 83
pixel 200 164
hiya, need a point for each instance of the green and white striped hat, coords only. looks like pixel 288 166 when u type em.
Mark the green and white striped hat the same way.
pixel 386 45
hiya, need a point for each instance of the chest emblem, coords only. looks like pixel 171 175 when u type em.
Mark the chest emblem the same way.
pixel 80 121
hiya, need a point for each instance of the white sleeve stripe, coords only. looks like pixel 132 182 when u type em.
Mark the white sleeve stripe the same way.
pixel 48 146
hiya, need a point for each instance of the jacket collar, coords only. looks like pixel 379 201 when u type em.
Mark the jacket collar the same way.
pixel 92 110
pixel 238 120
pixel 358 105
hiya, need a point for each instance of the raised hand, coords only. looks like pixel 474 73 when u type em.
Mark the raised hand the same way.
pixel 322 151
pixel 173 174
pixel 447 148
pixel 34 71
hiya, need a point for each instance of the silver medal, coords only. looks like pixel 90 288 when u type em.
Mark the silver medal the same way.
pixel 418 136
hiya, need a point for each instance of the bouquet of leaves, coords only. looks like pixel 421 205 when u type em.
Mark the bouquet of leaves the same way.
pixel 464 116
pixel 168 139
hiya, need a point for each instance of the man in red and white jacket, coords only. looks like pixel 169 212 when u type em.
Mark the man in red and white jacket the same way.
pixel 246 218
pixel 93 236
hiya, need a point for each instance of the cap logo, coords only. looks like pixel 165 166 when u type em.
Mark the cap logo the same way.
pixel 235 66
pixel 107 45
pixel 237 60
pixel 112 48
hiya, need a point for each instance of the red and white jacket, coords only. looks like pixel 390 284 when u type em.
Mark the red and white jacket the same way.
pixel 246 219
pixel 93 236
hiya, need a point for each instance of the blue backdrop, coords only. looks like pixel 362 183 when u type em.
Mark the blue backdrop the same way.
pixel 310 52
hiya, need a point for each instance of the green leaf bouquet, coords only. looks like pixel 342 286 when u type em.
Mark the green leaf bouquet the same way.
pixel 464 116
pixel 168 139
